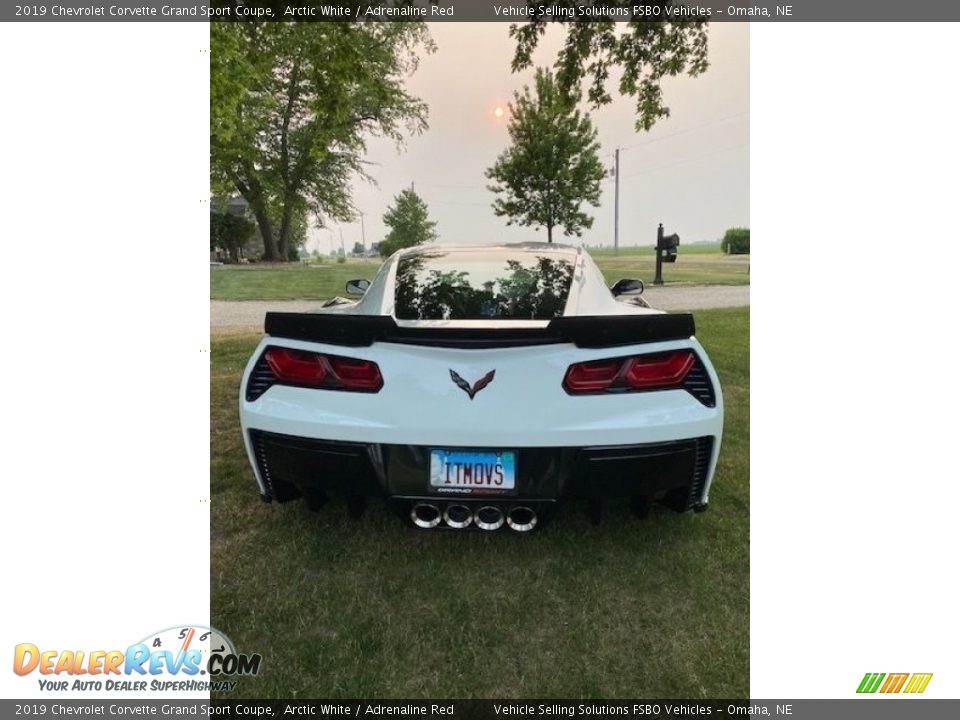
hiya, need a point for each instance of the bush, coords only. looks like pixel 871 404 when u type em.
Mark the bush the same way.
pixel 341 259
pixel 736 241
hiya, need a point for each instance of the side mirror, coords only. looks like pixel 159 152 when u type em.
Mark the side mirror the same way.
pixel 357 287
pixel 627 286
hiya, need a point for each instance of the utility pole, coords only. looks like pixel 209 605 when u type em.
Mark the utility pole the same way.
pixel 616 202
pixel 363 234
pixel 342 249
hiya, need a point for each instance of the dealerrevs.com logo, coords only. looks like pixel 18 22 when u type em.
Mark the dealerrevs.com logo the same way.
pixel 182 659
pixel 885 683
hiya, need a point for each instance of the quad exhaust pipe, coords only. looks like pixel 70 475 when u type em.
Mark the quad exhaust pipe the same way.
pixel 521 519
pixel 458 516
pixel 489 517
pixel 425 515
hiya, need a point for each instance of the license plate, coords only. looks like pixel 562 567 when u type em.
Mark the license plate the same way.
pixel 472 472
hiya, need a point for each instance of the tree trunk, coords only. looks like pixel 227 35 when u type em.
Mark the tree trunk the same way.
pixel 549 233
pixel 283 238
pixel 270 253
pixel 251 191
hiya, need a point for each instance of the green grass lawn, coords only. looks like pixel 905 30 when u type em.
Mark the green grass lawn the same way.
pixel 371 608
pixel 698 264
pixel 690 269
pixel 292 282
pixel 697 249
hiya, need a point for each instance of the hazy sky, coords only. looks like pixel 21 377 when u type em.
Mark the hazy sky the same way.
pixel 691 172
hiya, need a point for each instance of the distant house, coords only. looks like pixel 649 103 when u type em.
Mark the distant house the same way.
pixel 236 205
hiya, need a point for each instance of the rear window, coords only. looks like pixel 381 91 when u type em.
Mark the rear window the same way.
pixel 482 286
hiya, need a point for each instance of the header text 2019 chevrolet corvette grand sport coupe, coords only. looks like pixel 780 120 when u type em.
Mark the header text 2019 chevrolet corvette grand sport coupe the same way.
pixel 478 387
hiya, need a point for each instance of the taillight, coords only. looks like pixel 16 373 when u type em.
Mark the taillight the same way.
pixel 333 372
pixel 296 366
pixel 625 374
pixel 356 374
pixel 592 376
pixel 652 371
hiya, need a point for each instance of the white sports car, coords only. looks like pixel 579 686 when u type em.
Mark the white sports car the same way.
pixel 478 387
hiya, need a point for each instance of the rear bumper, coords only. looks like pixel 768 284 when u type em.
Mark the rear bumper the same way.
pixel 314 443
pixel 673 472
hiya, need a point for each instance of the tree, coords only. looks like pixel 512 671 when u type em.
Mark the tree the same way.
pixel 229 232
pixel 736 241
pixel 358 249
pixel 645 51
pixel 297 233
pixel 551 168
pixel 292 105
pixel 409 223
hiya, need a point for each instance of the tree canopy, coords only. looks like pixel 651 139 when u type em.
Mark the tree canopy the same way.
pixel 292 105
pixel 409 222
pixel 736 241
pixel 229 232
pixel 645 51
pixel 551 167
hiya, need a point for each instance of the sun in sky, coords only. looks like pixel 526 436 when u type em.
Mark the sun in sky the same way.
pixel 499 112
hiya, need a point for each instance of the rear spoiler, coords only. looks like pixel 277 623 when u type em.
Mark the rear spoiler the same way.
pixel 594 331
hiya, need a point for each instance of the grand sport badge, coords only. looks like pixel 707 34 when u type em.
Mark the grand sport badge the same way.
pixel 182 658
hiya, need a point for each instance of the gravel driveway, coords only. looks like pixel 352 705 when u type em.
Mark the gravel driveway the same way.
pixel 247 315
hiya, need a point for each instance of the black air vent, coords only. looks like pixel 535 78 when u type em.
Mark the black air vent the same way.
pixel 260 380
pixel 698 384
pixel 704 452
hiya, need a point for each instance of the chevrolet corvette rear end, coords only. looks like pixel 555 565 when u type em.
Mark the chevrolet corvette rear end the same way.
pixel 479 388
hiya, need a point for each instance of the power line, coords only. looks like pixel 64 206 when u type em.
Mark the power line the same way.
pixel 686 130
pixel 448 202
pixel 616 153
pixel 688 160
pixel 455 187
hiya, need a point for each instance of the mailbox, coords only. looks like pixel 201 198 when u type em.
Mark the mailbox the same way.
pixel 666 252
pixel 670 243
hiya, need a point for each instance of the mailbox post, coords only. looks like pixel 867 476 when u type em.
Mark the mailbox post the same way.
pixel 666 252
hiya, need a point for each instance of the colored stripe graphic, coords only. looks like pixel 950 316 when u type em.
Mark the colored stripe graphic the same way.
pixel 894 682
pixel 918 682
pixel 870 682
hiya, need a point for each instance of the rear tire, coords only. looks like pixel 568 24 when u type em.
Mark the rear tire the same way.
pixel 316 500
pixel 641 505
pixel 356 505
pixel 596 511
